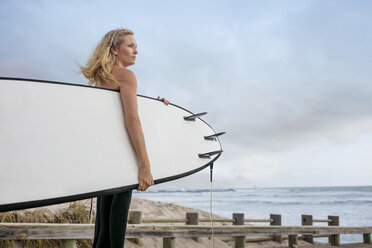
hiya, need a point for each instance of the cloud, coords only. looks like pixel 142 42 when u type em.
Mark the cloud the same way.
pixel 13 67
pixel 276 77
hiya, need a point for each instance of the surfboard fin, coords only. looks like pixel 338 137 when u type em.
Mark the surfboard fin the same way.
pixel 209 154
pixel 193 117
pixel 213 136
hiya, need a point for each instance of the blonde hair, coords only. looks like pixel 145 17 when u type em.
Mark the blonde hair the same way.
pixel 99 65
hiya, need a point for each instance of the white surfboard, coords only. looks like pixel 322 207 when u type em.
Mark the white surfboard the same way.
pixel 62 142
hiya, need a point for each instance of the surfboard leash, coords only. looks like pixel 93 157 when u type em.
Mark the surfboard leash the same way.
pixel 91 207
pixel 210 210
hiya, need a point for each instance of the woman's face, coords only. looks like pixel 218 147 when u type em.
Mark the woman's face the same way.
pixel 125 54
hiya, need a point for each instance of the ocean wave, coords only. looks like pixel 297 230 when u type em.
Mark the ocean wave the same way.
pixel 288 202
pixel 189 190
pixel 329 195
pixel 347 202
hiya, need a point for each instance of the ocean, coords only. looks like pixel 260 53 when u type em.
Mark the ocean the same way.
pixel 353 204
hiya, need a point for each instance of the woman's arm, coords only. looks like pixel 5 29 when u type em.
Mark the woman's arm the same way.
pixel 128 94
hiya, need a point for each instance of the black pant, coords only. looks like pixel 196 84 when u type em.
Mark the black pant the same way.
pixel 111 220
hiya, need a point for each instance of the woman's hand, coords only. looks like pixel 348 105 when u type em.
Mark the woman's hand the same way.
pixel 145 179
pixel 165 101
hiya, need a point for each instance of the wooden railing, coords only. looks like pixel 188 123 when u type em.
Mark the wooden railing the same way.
pixel 69 233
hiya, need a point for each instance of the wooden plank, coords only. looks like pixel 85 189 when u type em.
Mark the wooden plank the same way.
pixel 201 220
pixel 258 220
pixel 46 231
pixel 328 221
pixel 164 220
pixel 86 231
pixel 178 231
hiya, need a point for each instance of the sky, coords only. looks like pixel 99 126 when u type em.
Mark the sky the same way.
pixel 288 81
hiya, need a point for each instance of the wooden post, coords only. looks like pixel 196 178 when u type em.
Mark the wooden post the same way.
pixel 239 220
pixel 135 217
pixel 193 219
pixel 307 220
pixel 334 239
pixel 292 241
pixel 169 242
pixel 366 238
pixel 277 221
pixel 68 243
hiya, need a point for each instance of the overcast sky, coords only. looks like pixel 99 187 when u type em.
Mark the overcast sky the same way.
pixel 289 81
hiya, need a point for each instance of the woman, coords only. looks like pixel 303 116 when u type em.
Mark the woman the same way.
pixel 107 68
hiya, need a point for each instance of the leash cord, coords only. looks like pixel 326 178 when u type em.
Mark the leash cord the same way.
pixel 210 210
pixel 91 207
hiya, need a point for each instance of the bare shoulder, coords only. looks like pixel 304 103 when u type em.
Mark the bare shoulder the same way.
pixel 124 76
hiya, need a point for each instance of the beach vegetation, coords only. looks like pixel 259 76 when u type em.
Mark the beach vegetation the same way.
pixel 75 212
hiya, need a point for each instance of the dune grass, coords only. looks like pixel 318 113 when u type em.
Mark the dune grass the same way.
pixel 76 212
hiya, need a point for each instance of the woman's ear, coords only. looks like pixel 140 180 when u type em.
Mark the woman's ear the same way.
pixel 114 50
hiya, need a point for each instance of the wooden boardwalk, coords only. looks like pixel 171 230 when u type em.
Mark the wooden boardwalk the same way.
pixel 70 232
pixel 303 244
pixel 356 245
pixel 241 235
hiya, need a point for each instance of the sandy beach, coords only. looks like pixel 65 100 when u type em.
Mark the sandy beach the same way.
pixel 79 213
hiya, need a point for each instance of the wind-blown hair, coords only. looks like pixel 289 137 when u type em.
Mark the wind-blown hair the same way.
pixel 99 65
